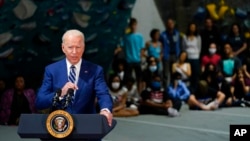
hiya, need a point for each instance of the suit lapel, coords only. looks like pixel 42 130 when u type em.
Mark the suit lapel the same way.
pixel 64 72
pixel 81 81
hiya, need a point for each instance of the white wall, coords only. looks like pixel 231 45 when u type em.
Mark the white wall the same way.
pixel 146 13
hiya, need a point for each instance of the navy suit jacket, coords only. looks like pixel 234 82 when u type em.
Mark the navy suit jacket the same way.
pixel 91 84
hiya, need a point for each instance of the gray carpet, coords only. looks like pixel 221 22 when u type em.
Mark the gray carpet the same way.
pixel 190 126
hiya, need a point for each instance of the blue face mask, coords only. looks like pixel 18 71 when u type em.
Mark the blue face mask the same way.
pixel 156 85
pixel 152 68
pixel 178 80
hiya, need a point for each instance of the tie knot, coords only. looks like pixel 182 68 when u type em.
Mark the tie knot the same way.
pixel 72 67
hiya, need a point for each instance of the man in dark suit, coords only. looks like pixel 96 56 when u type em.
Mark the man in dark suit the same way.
pixel 85 78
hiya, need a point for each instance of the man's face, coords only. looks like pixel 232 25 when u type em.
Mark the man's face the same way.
pixel 235 29
pixel 170 24
pixel 227 49
pixel 134 27
pixel 209 23
pixel 73 48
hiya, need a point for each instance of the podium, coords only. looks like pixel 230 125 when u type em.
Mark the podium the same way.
pixel 86 127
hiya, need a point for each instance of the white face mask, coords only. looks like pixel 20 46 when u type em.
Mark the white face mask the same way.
pixel 152 68
pixel 115 85
pixel 212 50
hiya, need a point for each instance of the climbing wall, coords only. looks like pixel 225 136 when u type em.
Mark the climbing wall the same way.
pixel 224 12
pixel 31 30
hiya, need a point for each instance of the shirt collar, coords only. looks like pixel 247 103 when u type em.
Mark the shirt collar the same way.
pixel 77 65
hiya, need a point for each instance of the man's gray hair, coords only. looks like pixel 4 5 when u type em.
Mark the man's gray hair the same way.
pixel 72 32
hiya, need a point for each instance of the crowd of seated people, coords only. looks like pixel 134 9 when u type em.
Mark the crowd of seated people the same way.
pixel 203 70
pixel 199 69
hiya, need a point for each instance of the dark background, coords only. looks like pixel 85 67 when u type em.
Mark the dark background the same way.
pixel 41 45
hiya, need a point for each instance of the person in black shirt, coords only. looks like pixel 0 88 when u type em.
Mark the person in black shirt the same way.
pixel 150 72
pixel 237 41
pixel 216 80
pixel 156 101
pixel 205 97
pixel 209 34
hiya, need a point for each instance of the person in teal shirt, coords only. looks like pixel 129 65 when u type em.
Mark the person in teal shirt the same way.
pixel 154 47
pixel 133 47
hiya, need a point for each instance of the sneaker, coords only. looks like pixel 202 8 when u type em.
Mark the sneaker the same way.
pixel 213 105
pixel 173 112
pixel 246 102
pixel 133 106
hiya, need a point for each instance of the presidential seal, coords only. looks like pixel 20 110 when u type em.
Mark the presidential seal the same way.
pixel 59 124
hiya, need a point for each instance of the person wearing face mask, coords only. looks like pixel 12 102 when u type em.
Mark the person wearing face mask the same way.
pixel 178 91
pixel 119 95
pixel 211 58
pixel 154 47
pixel 156 101
pixel 151 70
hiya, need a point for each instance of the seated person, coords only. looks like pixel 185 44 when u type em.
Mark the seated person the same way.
pixel 152 69
pixel 246 66
pixel 211 58
pixel 119 95
pixel 182 67
pixel 229 63
pixel 16 101
pixel 205 98
pixel 177 91
pixel 240 89
pixel 216 80
pixel 155 100
pixel 132 94
pixel 209 73
pixel 119 67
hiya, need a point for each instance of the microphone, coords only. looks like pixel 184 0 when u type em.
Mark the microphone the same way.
pixel 56 98
pixel 70 92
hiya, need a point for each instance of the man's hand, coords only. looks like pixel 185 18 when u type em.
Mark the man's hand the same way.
pixel 67 86
pixel 108 115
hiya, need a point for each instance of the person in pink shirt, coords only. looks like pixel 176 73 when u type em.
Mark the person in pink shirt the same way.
pixel 16 101
pixel 211 58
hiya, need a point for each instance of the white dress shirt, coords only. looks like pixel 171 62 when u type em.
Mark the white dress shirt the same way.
pixel 77 68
